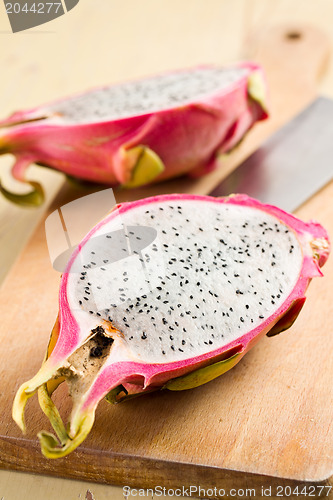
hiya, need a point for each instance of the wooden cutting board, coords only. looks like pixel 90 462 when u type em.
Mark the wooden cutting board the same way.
pixel 266 422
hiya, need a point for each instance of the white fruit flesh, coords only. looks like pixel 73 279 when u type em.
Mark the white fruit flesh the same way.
pixel 212 273
pixel 143 96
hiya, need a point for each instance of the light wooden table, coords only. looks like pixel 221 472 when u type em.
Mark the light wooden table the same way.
pixel 107 41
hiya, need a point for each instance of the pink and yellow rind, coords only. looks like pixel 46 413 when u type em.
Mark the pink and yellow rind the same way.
pixel 185 139
pixel 121 369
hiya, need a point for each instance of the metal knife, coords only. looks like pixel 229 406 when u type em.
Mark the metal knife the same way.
pixel 292 165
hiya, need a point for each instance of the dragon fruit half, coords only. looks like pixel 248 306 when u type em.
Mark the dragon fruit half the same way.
pixel 138 132
pixel 175 311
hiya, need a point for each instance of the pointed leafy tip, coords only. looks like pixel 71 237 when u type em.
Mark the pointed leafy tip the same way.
pixel 27 390
pixel 64 442
pixel 19 404
pixel 52 413
pixel 34 198
pixel 288 319
pixel 120 394
pixel 50 446
pixel 116 395
pixel 257 89
pixel 148 166
pixel 202 375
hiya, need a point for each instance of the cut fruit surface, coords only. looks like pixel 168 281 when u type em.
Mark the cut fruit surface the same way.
pixel 138 132
pixel 173 309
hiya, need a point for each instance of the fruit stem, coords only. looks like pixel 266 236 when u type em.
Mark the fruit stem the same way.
pixel 50 446
pixel 52 413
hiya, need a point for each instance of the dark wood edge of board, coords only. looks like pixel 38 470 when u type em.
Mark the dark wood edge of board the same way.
pixel 138 472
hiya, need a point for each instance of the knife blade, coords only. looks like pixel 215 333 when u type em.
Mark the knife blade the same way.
pixel 290 166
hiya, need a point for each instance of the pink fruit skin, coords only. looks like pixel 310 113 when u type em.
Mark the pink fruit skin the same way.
pixel 186 138
pixel 315 242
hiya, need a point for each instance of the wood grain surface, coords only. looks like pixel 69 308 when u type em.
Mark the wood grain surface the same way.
pixel 269 420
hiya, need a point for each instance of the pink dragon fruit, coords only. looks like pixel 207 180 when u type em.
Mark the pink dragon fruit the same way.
pixel 176 311
pixel 138 132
